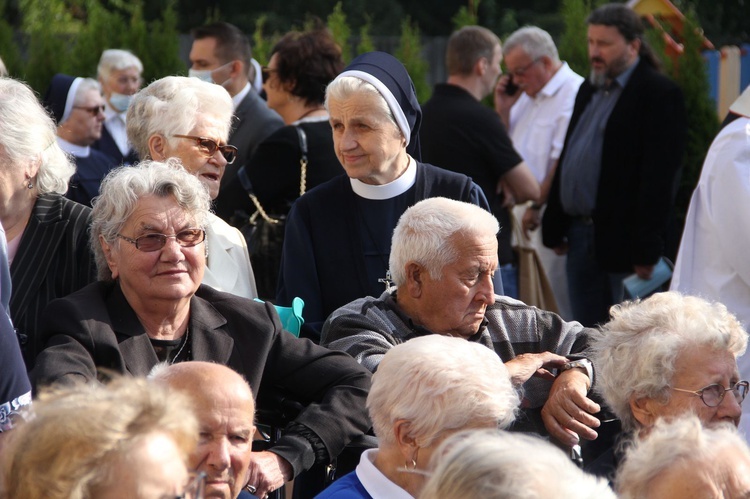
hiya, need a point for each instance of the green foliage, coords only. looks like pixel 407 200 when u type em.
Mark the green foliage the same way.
pixel 703 122
pixel 262 45
pixel 365 40
pixel 508 23
pixel 48 27
pixel 466 16
pixel 573 46
pixel 409 52
pixel 341 31
pixel 65 38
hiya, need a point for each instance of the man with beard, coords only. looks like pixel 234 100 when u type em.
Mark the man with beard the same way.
pixel 611 197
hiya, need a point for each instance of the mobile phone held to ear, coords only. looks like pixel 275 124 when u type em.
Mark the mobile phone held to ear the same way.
pixel 511 88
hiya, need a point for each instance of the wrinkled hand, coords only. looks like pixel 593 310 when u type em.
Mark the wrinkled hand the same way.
pixel 567 415
pixel 267 472
pixel 531 220
pixel 644 271
pixel 527 365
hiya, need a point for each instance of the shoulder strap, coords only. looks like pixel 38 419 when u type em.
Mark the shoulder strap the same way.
pixel 303 158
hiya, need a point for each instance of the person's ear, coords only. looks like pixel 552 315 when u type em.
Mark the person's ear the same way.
pixel 111 261
pixel 406 443
pixel 157 147
pixel 644 410
pixel 414 279
pixel 236 68
pixel 480 67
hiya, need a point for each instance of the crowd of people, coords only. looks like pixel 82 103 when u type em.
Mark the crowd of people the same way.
pixel 139 358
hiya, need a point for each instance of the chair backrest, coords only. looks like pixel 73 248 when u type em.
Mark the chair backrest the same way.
pixel 291 317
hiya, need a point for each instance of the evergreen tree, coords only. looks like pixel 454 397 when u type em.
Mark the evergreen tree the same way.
pixel 341 31
pixel 409 52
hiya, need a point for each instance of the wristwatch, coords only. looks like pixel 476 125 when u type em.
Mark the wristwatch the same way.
pixel 583 364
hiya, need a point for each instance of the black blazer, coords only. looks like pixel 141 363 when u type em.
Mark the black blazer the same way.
pixel 644 142
pixel 254 121
pixel 107 145
pixel 53 260
pixel 96 328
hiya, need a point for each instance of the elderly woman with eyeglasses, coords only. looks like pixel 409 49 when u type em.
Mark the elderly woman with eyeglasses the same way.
pixel 189 119
pixel 669 355
pixel 149 306
pixel 424 391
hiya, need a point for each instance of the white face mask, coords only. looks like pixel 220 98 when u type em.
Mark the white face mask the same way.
pixel 205 74
pixel 120 102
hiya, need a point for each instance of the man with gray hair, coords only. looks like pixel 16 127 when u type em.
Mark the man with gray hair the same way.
pixel 535 101
pixel 78 108
pixel 443 257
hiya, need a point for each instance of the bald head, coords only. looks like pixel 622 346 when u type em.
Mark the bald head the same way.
pixel 225 408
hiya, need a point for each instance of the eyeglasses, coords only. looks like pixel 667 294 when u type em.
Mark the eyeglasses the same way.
pixel 195 488
pixel 94 110
pixel 154 242
pixel 265 72
pixel 522 71
pixel 713 394
pixel 210 146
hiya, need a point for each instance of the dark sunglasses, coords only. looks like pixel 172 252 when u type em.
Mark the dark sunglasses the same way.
pixel 94 111
pixel 210 146
pixel 154 242
pixel 265 72
pixel 713 394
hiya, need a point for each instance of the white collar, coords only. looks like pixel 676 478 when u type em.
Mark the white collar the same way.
pixel 240 95
pixel 389 190
pixel 557 81
pixel 374 481
pixel 311 119
pixel 75 150
pixel 111 113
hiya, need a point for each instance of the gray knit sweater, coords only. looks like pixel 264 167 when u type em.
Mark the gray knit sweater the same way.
pixel 367 328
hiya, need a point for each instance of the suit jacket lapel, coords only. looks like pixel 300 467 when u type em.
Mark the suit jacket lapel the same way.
pixel 135 347
pixel 209 341
pixel 39 242
pixel 221 266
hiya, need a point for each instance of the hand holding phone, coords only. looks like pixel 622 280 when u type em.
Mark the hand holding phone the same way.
pixel 511 88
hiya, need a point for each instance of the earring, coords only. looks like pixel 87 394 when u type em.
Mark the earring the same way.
pixel 30 185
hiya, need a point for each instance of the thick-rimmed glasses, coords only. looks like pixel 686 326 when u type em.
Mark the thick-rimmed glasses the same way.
pixel 93 110
pixel 713 394
pixel 154 242
pixel 522 71
pixel 210 146
pixel 266 72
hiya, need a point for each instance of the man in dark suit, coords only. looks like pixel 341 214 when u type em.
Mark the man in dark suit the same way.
pixel 221 54
pixel 611 197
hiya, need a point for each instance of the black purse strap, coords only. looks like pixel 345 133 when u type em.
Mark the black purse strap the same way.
pixel 303 159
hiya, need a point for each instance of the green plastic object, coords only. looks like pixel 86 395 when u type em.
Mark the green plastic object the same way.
pixel 291 317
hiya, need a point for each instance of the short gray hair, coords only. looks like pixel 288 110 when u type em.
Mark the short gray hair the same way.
pixel 439 384
pixel 3 69
pixel 534 41
pixel 346 87
pixel 117 60
pixel 672 444
pixel 85 86
pixel 28 133
pixel 425 234
pixel 171 106
pixel 636 351
pixel 504 465
pixel 123 187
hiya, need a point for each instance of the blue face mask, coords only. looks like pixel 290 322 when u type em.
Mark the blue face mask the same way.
pixel 206 74
pixel 120 102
